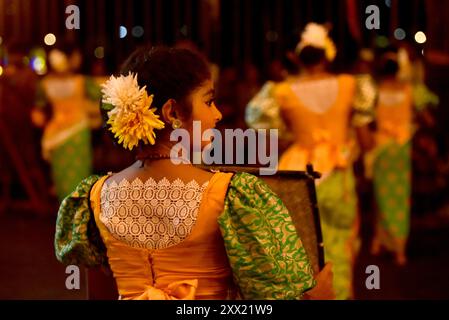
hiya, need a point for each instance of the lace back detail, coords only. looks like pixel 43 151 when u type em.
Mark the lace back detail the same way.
pixel 310 93
pixel 150 214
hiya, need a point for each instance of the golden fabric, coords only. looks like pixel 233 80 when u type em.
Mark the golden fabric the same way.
pixel 394 115
pixel 197 268
pixel 320 138
pixel 323 138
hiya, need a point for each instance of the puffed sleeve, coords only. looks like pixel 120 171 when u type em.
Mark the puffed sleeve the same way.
pixel 364 100
pixel 77 239
pixel 265 253
pixel 423 97
pixel 263 111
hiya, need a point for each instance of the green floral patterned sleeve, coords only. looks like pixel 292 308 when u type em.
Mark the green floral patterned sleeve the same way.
pixel 263 111
pixel 77 238
pixel 365 99
pixel 266 255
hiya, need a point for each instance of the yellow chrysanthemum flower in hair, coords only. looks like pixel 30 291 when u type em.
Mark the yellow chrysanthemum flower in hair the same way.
pixel 131 118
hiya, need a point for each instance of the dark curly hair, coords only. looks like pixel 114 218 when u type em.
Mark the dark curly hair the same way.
pixel 311 56
pixel 388 66
pixel 167 73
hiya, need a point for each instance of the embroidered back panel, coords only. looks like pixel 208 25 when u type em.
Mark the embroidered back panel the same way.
pixel 318 95
pixel 151 214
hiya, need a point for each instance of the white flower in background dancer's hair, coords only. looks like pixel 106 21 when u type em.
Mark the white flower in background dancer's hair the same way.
pixel 130 117
pixel 317 36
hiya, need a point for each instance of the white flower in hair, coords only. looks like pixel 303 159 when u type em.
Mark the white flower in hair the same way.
pixel 130 117
pixel 316 35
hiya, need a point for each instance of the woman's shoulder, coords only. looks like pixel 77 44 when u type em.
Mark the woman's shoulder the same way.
pixel 244 182
pixel 283 93
pixel 347 79
pixel 185 173
pixel 283 87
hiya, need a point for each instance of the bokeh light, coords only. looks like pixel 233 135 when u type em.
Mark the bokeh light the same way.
pixel 1 71
pixel 420 37
pixel 38 52
pixel 122 32
pixel 399 34
pixel 382 42
pixel 50 39
pixel 272 36
pixel 99 52
pixel 39 65
pixel 137 31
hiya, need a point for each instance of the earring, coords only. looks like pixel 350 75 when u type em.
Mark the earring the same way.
pixel 176 124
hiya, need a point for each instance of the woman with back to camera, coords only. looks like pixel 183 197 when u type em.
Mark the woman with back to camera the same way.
pixel 174 231
pixel 321 111
pixel 66 141
pixel 391 160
